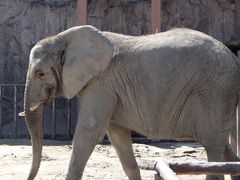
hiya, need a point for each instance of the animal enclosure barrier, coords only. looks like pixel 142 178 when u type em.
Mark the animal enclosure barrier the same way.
pixel 59 116
pixel 168 170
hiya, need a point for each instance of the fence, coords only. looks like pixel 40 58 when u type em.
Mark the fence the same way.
pixel 14 86
pixel 168 170
pixel 59 115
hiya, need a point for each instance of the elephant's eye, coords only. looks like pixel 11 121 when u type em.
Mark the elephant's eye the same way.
pixel 40 74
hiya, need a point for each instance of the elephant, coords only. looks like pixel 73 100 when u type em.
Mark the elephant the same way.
pixel 179 84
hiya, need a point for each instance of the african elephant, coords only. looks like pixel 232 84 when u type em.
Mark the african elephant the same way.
pixel 179 84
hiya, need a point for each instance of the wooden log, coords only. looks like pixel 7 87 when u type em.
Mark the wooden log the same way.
pixel 165 172
pixel 209 168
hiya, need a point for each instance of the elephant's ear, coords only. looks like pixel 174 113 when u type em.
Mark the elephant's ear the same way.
pixel 88 52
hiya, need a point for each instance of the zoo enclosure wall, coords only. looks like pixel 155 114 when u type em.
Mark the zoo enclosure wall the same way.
pixel 19 32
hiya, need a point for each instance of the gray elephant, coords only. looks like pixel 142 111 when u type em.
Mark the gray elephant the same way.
pixel 179 84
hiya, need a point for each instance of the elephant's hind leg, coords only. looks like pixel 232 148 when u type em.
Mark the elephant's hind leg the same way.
pixel 215 111
pixel 214 154
pixel 226 154
pixel 120 138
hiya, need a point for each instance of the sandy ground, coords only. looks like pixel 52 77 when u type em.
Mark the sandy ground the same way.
pixel 15 159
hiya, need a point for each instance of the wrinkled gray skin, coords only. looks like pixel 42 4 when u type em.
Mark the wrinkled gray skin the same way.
pixel 179 84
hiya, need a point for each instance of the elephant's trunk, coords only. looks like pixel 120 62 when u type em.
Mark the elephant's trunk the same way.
pixel 35 127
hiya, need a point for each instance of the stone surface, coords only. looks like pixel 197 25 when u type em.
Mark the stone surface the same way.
pixel 123 16
pixel 218 18
pixel 22 24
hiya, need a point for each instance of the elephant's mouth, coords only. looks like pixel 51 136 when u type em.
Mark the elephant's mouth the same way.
pixel 32 108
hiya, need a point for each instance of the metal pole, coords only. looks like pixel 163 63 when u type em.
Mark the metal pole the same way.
pixel 68 119
pixel 53 119
pixel 15 112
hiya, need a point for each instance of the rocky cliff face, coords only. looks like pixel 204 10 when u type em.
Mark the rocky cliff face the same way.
pixel 218 18
pixel 22 24
pixel 123 16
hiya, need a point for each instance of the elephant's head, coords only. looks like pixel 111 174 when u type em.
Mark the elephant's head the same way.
pixel 61 65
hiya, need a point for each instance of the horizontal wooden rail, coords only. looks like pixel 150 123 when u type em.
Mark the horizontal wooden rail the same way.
pixel 164 171
pixel 168 169
pixel 209 168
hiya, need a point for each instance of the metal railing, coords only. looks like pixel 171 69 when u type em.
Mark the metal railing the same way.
pixel 68 129
pixel 14 86
pixel 14 105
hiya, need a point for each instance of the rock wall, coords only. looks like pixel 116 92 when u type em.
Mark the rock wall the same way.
pixel 122 16
pixel 22 24
pixel 218 18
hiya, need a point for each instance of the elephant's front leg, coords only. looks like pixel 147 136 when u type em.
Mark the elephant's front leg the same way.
pixel 93 120
pixel 85 139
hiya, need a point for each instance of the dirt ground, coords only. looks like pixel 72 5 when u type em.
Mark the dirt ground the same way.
pixel 15 159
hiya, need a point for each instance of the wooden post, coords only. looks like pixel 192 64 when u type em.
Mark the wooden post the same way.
pixel 156 15
pixel 81 12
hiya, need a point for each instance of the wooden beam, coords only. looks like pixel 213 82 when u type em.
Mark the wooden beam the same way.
pixel 156 15
pixel 209 168
pixel 81 18
pixel 165 172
